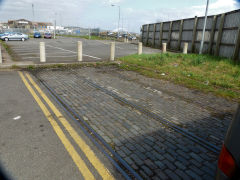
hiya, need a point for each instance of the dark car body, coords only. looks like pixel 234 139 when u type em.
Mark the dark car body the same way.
pixel 47 35
pixel 229 158
pixel 37 35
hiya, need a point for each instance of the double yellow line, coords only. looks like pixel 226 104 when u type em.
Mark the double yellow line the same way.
pixel 84 170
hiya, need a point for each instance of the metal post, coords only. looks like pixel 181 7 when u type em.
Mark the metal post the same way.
pixel 119 15
pixel 42 52
pixel 1 55
pixel 79 50
pixel 89 33
pixel 54 34
pixel 118 20
pixel 204 27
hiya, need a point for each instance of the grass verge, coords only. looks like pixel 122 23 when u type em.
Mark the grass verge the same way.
pixel 8 49
pixel 202 72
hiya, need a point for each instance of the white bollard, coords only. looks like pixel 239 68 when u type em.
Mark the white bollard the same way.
pixel 79 50
pixel 185 48
pixel 139 48
pixel 164 47
pixel 1 55
pixel 127 40
pixel 42 52
pixel 112 53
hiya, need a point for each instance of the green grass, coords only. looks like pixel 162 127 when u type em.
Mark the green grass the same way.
pixel 85 37
pixel 8 49
pixel 203 72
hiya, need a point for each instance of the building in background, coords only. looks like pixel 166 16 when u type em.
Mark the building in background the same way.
pixel 20 23
pixel 26 24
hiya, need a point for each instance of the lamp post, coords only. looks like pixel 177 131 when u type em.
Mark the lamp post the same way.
pixel 118 17
pixel 204 28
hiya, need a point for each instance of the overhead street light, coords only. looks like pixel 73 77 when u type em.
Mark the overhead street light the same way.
pixel 204 28
pixel 118 17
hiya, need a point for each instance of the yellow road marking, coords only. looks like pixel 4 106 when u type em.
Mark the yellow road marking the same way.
pixel 67 144
pixel 99 166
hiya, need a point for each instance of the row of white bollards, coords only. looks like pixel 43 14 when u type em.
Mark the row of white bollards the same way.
pixel 80 54
pixel 112 50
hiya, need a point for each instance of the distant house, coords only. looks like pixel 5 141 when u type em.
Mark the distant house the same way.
pixel 20 23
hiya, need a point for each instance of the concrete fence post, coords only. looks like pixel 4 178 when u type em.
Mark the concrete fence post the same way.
pixel 42 52
pixel 139 48
pixel 185 48
pixel 80 51
pixel 164 47
pixel 112 52
pixel 219 36
pixel 1 55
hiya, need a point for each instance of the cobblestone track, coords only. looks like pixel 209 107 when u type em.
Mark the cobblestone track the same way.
pixel 194 118
pixel 154 151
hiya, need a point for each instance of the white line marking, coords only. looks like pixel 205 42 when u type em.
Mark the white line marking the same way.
pixel 48 57
pixel 109 44
pixel 23 54
pixel 74 52
pixel 16 118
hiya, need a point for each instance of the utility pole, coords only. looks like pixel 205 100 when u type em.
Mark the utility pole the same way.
pixel 33 16
pixel 54 33
pixel 119 16
pixel 204 28
pixel 89 33
pixel 119 19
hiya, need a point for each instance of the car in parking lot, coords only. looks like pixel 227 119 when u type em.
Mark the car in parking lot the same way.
pixel 14 36
pixel 229 158
pixel 47 35
pixel 132 38
pixel 37 35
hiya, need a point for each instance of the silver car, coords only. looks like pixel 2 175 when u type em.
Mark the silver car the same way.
pixel 14 36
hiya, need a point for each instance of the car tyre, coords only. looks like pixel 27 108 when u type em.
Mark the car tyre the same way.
pixel 23 39
pixel 6 39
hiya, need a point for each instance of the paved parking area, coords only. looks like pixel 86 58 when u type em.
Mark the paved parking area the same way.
pixel 64 49
pixel 153 149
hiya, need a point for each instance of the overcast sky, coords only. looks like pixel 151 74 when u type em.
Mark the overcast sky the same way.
pixel 100 13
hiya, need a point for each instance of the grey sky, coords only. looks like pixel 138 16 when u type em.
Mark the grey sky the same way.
pixel 100 13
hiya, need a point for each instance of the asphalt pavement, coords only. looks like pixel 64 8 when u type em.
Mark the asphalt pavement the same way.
pixel 39 141
pixel 64 49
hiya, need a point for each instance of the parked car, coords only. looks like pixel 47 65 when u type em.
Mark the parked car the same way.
pixel 229 158
pixel 37 35
pixel 132 38
pixel 47 35
pixel 14 36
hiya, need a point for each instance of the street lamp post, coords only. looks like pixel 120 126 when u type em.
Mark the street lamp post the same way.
pixel 204 28
pixel 119 15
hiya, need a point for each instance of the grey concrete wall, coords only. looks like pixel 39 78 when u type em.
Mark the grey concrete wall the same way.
pixel 226 26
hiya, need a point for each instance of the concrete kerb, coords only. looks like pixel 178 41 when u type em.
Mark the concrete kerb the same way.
pixel 50 65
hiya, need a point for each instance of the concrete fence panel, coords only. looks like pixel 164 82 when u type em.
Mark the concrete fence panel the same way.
pixel 221 36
